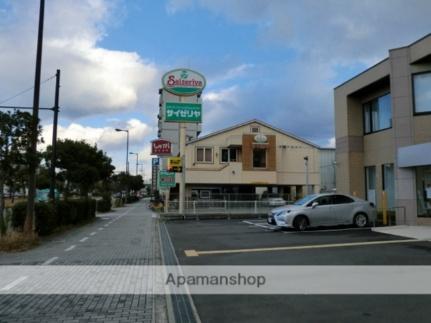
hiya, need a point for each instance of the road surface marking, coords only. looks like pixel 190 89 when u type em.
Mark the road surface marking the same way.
pixel 100 229
pixel 70 248
pixel 329 230
pixel 49 261
pixel 14 283
pixel 195 253
pixel 83 239
pixel 106 225
pixel 93 233
pixel 260 225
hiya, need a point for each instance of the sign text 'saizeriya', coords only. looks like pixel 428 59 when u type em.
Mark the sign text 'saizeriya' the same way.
pixel 183 82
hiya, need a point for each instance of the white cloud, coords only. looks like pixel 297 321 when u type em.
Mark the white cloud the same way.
pixel 94 79
pixel 106 138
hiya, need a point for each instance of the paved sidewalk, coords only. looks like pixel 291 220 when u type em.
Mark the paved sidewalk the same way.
pixel 127 236
pixel 407 231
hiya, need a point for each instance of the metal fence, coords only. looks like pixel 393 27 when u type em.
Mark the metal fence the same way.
pixel 222 206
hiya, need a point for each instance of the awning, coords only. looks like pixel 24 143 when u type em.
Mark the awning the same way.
pixel 415 155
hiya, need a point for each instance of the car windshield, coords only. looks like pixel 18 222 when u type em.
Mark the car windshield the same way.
pixel 305 199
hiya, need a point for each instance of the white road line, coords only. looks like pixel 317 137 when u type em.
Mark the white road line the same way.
pixel 93 233
pixel 106 225
pixel 100 229
pixel 83 239
pixel 329 230
pixel 260 225
pixel 70 248
pixel 49 261
pixel 14 283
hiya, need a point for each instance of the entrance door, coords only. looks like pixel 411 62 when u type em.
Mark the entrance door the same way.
pixel 370 176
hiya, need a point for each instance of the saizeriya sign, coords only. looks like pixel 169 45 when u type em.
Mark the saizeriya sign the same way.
pixel 183 82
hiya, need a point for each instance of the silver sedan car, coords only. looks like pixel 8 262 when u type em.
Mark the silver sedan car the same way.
pixel 324 210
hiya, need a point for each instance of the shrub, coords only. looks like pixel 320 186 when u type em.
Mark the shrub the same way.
pixel 132 199
pixel 105 204
pixel 19 211
pixel 46 218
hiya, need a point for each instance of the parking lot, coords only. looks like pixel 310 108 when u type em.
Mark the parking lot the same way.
pixel 253 242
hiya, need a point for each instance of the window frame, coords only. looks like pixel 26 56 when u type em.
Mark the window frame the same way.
pixel 229 149
pixel 204 150
pixel 370 119
pixel 256 127
pixel 415 113
pixel 266 158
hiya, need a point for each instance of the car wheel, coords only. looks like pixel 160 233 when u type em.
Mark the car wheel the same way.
pixel 300 223
pixel 360 220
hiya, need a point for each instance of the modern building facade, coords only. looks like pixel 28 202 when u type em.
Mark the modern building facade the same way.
pixel 250 159
pixel 383 132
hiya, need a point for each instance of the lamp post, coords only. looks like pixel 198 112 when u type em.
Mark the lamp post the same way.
pixel 127 148
pixel 306 175
pixel 137 157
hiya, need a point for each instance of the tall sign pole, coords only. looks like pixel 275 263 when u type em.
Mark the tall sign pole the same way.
pixel 54 136
pixel 29 223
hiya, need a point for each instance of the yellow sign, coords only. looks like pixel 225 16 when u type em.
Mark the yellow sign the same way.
pixel 175 164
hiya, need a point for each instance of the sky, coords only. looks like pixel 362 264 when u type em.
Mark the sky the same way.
pixel 274 60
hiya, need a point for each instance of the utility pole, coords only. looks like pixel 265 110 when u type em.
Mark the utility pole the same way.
pixel 182 142
pixel 29 223
pixel 54 136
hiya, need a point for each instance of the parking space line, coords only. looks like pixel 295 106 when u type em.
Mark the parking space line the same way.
pixel 196 253
pixel 49 261
pixel 14 283
pixel 70 248
pixel 93 233
pixel 259 225
pixel 83 239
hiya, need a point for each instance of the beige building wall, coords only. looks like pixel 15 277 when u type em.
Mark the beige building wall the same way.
pixel 355 151
pixel 289 160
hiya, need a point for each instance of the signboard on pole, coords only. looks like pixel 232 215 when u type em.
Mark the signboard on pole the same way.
pixel 166 179
pixel 175 164
pixel 183 112
pixel 161 147
pixel 154 173
pixel 183 82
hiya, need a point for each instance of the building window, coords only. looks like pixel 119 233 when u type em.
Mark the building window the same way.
pixel 204 155
pixel 259 158
pixel 370 183
pixel 228 155
pixel 422 92
pixel 388 184
pixel 254 129
pixel 377 114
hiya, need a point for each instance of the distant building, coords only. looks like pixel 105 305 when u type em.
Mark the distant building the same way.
pixel 383 132
pixel 249 159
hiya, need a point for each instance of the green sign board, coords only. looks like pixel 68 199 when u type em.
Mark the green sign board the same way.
pixel 183 112
pixel 166 179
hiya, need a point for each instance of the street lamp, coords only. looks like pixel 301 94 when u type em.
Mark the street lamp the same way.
pixel 306 175
pixel 127 148
pixel 137 157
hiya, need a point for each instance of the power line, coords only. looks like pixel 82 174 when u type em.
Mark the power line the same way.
pixel 26 90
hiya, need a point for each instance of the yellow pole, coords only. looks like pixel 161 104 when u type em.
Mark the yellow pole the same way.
pixel 384 208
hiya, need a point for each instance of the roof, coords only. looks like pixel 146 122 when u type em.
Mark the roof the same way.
pixel 250 122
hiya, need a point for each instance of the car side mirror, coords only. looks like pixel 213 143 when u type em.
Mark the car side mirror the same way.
pixel 314 205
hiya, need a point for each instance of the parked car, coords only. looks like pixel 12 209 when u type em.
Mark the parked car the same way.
pixel 326 209
pixel 274 201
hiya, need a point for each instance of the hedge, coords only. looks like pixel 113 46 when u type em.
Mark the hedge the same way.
pixel 48 218
pixel 105 204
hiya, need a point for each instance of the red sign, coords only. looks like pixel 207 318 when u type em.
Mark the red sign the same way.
pixel 160 147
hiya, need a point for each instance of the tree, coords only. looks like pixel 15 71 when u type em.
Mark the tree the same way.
pixel 14 153
pixel 81 164
pixel 127 182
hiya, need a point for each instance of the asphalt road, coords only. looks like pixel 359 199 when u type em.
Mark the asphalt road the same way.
pixel 237 235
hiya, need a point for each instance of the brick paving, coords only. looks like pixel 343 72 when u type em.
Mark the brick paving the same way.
pixel 127 236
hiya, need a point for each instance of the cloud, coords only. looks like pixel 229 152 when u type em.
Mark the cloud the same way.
pixel 94 80
pixel 105 138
